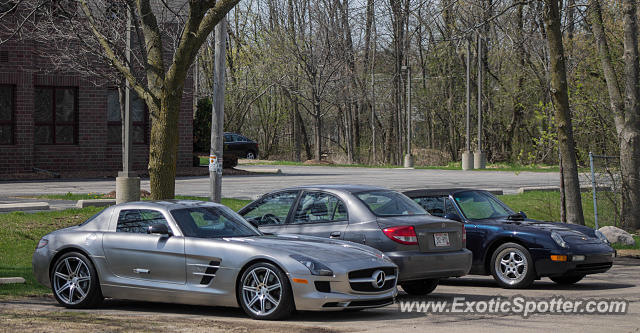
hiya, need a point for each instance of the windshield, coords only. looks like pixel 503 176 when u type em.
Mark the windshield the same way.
pixel 212 222
pixel 390 203
pixel 477 205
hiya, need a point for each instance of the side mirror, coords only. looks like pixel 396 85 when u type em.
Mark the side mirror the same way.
pixel 453 216
pixel 159 228
pixel 522 214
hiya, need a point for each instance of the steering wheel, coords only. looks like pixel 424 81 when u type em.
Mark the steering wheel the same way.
pixel 269 219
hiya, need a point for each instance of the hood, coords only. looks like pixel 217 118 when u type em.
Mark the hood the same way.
pixel 321 249
pixel 570 233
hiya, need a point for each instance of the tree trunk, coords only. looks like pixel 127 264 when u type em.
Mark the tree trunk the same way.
pixel 559 94
pixel 163 147
pixel 625 114
pixel 630 134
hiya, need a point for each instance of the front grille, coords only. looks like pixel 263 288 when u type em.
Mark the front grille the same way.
pixel 365 273
pixel 361 280
pixel 323 286
pixel 593 267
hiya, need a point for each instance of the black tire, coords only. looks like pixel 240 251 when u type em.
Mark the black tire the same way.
pixel 420 287
pixel 285 306
pixel 567 279
pixel 251 155
pixel 523 274
pixel 73 275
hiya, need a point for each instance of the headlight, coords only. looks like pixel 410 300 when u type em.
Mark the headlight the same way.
pixel 314 267
pixel 602 237
pixel 42 243
pixel 558 239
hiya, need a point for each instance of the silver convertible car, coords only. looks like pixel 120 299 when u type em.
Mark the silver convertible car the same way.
pixel 203 253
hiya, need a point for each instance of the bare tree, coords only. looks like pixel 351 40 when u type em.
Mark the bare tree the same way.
pixel 559 92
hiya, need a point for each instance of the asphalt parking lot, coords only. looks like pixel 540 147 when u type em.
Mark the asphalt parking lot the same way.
pixel 249 187
pixel 621 282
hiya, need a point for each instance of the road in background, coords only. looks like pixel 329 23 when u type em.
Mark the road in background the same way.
pixel 249 187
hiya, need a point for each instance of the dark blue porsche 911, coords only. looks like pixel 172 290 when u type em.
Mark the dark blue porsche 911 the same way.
pixel 514 249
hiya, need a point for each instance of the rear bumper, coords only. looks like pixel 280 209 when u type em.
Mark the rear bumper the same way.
pixel 429 265
pixel 593 263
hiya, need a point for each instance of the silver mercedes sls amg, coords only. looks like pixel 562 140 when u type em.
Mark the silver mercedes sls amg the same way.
pixel 194 252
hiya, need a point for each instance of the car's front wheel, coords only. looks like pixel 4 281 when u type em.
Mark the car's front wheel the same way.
pixel 264 292
pixel 512 266
pixel 74 281
pixel 567 279
pixel 420 287
pixel 251 155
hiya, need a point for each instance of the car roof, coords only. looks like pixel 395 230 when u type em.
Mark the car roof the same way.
pixel 353 188
pixel 171 204
pixel 436 191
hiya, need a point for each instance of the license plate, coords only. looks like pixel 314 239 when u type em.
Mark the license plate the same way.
pixel 441 238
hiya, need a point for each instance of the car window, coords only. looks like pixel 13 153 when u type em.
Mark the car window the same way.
pixel 320 207
pixel 434 205
pixel 390 203
pixel 449 207
pixel 239 138
pixel 481 205
pixel 139 220
pixel 212 222
pixel 272 209
pixel 228 138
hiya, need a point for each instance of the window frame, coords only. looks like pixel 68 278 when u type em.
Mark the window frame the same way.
pixel 117 220
pixel 52 124
pixel 259 202
pixel 11 122
pixel 144 123
pixel 292 213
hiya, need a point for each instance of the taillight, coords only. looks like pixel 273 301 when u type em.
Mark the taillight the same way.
pixel 403 234
pixel 464 235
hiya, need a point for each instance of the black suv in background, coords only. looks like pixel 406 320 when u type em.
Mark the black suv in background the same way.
pixel 240 146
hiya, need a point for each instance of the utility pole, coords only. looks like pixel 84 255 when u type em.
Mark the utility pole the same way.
pixel 127 184
pixel 408 158
pixel 479 158
pixel 373 91
pixel 467 156
pixel 217 113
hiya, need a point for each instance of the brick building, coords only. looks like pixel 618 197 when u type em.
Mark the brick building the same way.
pixel 62 122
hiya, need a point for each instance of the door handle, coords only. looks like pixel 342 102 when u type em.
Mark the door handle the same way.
pixel 141 271
pixel 335 234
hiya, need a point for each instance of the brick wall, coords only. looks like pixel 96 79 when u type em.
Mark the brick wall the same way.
pixel 91 152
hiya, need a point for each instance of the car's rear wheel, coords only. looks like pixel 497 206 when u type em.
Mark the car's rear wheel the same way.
pixel 264 292
pixel 420 287
pixel 251 155
pixel 74 281
pixel 567 279
pixel 512 266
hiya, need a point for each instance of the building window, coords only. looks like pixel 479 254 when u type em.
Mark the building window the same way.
pixel 55 115
pixel 114 119
pixel 7 108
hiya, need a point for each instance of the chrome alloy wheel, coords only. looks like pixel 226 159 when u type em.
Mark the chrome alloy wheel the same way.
pixel 511 265
pixel 261 291
pixel 71 280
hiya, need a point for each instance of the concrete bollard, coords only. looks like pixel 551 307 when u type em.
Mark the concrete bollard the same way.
pixel 127 188
pixel 467 160
pixel 479 160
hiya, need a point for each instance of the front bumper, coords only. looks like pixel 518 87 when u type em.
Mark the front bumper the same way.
pixel 324 293
pixel 416 265
pixel 595 261
pixel 40 265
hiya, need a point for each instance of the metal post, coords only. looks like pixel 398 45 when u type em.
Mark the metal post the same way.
pixel 479 157
pixel 127 184
pixel 467 156
pixel 593 189
pixel 126 159
pixel 217 113
pixel 408 158
pixel 468 96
